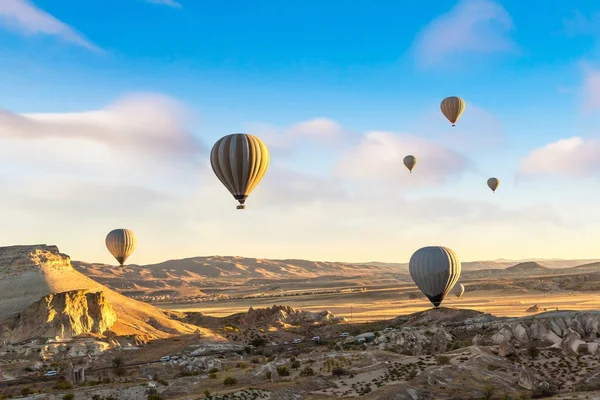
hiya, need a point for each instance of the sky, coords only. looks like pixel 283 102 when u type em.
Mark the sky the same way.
pixel 108 112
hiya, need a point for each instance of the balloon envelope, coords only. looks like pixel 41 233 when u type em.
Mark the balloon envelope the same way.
pixel 493 183
pixel 459 290
pixel 452 107
pixel 240 161
pixel 121 243
pixel 410 162
pixel 435 270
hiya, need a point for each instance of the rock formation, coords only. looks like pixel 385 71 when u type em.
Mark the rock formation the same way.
pixel 63 315
pixel 29 274
pixel 283 316
pixel 572 332
pixel 533 309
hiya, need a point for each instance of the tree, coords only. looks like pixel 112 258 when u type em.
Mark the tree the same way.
pixel 533 352
pixel 488 392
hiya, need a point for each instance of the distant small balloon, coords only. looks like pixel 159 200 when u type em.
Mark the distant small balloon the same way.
pixel 452 107
pixel 121 243
pixel 493 184
pixel 410 162
pixel 459 290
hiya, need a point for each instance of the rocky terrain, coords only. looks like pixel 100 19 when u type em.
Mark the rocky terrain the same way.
pixel 63 315
pixel 441 353
pixel 42 295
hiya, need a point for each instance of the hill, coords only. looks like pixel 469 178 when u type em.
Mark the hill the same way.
pixel 29 274
pixel 530 266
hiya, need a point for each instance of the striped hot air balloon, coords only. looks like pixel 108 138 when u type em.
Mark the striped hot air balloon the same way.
pixel 452 107
pixel 240 161
pixel 435 270
pixel 121 243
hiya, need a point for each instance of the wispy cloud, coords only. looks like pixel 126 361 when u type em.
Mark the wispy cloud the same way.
pixel 576 157
pixel 472 26
pixel 143 123
pixel 25 17
pixel 170 3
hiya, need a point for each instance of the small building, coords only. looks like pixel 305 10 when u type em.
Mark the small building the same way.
pixel 365 337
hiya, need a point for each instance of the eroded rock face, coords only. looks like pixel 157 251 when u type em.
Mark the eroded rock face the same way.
pixel 63 315
pixel 572 332
pixel 282 316
pixel 526 378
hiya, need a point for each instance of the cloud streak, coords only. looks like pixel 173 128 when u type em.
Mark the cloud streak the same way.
pixel 170 3
pixel 472 26
pixel 23 16
pixel 142 123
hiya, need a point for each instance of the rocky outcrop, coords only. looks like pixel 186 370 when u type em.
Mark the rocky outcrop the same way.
pixel 526 378
pixel 29 274
pixel 533 309
pixel 283 316
pixel 572 332
pixel 63 315
pixel 415 341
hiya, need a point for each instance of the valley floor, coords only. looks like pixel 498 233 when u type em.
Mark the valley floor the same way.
pixel 381 304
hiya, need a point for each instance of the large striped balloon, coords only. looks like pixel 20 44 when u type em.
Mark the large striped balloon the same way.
pixel 435 270
pixel 240 161
pixel 452 107
pixel 121 243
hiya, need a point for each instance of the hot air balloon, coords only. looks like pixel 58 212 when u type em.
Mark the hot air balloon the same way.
pixel 435 270
pixel 493 184
pixel 459 290
pixel 452 107
pixel 240 161
pixel 410 162
pixel 121 243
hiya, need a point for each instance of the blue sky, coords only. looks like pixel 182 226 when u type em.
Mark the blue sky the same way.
pixel 339 91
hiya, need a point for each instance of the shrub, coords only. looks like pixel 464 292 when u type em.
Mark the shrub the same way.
pixel 295 364
pixel 307 371
pixel 488 392
pixel 26 391
pixel 213 370
pixel 442 360
pixel 338 371
pixel 207 393
pixel 63 384
pixel 268 374
pixel 212 375
pixel 68 396
pixel 230 380
pixel 258 342
pixel 283 371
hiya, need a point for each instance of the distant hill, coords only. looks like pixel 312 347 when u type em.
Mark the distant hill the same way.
pixel 530 266
pixel 466 266
pixel 218 270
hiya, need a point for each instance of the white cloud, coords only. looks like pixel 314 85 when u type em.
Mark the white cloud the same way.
pixel 320 130
pixel 567 157
pixel 24 16
pixel 475 26
pixel 144 124
pixel 170 3
pixel 378 157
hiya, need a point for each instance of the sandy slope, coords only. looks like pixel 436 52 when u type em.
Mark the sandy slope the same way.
pixel 28 273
